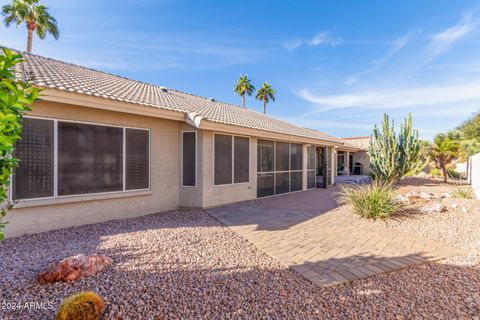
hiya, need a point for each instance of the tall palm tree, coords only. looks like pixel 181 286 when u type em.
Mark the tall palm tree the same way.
pixel 243 86
pixel 443 151
pixel 35 16
pixel 265 94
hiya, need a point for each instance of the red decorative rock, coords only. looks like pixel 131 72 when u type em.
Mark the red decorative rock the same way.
pixel 72 268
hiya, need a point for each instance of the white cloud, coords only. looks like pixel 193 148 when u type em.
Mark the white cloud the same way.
pixel 461 95
pixel 293 44
pixel 321 38
pixel 441 41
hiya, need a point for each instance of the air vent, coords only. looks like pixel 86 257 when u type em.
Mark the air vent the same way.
pixel 212 99
pixel 164 89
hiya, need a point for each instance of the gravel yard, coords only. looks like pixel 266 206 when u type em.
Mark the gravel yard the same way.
pixel 185 264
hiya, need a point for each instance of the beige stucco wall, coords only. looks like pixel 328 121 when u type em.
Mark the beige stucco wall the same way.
pixel 362 157
pixel 41 215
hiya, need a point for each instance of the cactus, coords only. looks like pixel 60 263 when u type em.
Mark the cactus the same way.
pixel 81 306
pixel 393 157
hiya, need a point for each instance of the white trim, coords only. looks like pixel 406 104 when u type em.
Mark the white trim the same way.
pixel 196 159
pixel 233 159
pixel 55 163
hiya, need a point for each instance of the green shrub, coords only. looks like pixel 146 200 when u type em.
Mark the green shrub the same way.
pixel 434 172
pixel 452 173
pixel 372 201
pixel 463 192
pixel 15 97
pixel 81 306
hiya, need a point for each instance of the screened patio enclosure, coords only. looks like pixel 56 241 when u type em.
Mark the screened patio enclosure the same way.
pixel 280 167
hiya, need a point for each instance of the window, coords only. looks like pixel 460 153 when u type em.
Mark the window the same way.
pixel 231 159
pixel 189 159
pixel 34 177
pixel 241 159
pixel 90 158
pixel 287 173
pixel 137 159
pixel 223 159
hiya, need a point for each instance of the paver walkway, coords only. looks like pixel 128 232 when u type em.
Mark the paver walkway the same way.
pixel 325 244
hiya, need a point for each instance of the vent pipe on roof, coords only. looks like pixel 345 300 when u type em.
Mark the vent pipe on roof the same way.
pixel 164 89
pixel 212 99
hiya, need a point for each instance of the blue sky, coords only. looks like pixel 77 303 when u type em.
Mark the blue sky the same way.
pixel 336 66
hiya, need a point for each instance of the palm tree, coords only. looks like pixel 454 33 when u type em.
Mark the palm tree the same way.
pixel 265 94
pixel 35 16
pixel 242 87
pixel 443 151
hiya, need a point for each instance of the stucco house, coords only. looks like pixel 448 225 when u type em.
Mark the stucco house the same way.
pixel 100 147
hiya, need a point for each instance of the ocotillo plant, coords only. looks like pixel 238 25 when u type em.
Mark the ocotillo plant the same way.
pixel 393 157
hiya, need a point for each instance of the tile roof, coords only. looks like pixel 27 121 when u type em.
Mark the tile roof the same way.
pixel 54 74
pixel 362 143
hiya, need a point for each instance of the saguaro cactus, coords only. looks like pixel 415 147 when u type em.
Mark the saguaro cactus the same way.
pixel 393 157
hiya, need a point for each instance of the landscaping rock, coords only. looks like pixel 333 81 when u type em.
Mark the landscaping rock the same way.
pixel 72 268
pixel 401 199
pixel 464 210
pixel 454 205
pixel 435 207
pixel 426 196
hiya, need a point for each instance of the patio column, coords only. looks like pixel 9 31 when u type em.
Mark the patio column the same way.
pixel 304 166
pixel 346 162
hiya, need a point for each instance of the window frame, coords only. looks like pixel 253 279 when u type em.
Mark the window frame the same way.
pixel 55 162
pixel 196 159
pixel 233 159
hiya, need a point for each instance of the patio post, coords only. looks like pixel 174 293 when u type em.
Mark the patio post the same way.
pixel 346 163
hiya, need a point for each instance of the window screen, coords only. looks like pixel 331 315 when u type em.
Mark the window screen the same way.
pixel 282 182
pixel 189 159
pixel 223 159
pixel 264 156
pixel 137 159
pixel 281 157
pixel 311 158
pixel 265 185
pixel 296 156
pixel 311 177
pixel 90 158
pixel 296 181
pixel 33 178
pixel 241 160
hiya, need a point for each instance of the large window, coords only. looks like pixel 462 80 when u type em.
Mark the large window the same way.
pixel 279 167
pixel 189 158
pixel 89 158
pixel 231 159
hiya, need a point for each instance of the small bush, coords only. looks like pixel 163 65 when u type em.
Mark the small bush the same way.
pixel 452 173
pixel 372 201
pixel 463 193
pixel 435 173
pixel 81 306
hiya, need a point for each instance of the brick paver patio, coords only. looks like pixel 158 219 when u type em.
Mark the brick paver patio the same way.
pixel 326 245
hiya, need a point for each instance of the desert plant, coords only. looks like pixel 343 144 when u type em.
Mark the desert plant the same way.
pixel 463 192
pixel 393 156
pixel 372 201
pixel 443 152
pixel 265 94
pixel 15 97
pixel 35 16
pixel 81 306
pixel 242 87
pixel 435 173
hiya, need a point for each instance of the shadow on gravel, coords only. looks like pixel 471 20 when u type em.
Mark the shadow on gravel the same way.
pixel 161 285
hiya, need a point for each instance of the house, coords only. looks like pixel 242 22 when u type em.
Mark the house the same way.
pixel 355 159
pixel 100 147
